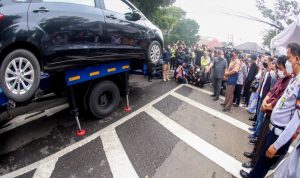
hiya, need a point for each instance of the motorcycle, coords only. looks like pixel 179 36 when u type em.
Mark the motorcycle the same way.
pixel 198 76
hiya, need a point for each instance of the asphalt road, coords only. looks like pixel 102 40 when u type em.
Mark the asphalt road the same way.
pixel 173 131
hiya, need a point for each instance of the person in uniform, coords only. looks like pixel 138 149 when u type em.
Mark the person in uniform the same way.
pixel 285 120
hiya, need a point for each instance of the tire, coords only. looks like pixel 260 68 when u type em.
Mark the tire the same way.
pixel 15 84
pixel 154 52
pixel 110 101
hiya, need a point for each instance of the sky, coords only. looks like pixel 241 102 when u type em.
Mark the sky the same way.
pixel 214 23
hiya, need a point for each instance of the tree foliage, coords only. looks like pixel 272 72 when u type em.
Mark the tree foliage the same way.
pixel 170 19
pixel 281 15
pixel 148 7
pixel 185 30
pixel 268 36
pixel 167 18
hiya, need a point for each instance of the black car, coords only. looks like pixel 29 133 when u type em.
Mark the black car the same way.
pixel 54 35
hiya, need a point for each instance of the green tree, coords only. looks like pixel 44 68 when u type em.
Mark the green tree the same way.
pixel 167 18
pixel 185 30
pixel 148 7
pixel 281 15
pixel 268 36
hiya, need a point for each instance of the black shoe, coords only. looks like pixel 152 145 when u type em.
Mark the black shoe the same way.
pixel 252 118
pixel 216 99
pixel 226 110
pixel 222 104
pixel 248 164
pixel 235 105
pixel 253 124
pixel 213 95
pixel 248 154
pixel 244 174
pixel 251 129
pixel 276 164
pixel 253 141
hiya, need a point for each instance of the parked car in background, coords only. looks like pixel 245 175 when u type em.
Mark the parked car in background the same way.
pixel 55 35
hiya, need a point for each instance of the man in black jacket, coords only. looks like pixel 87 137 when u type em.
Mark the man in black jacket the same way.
pixel 250 78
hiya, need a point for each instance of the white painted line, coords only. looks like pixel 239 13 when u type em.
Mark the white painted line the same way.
pixel 221 116
pixel 86 140
pixel 210 93
pixel 119 163
pixel 45 170
pixel 24 119
pixel 213 112
pixel 216 113
pixel 204 91
pixel 225 161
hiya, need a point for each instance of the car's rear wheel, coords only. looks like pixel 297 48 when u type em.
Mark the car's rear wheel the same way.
pixel 20 75
pixel 154 52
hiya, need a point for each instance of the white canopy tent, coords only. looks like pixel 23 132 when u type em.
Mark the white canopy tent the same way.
pixel 289 35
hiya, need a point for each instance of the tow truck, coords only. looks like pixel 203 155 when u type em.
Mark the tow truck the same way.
pixel 97 88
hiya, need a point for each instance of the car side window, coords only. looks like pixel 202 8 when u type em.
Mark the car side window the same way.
pixel 117 6
pixel 81 2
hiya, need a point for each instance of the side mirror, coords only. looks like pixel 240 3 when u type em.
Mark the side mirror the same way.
pixel 136 16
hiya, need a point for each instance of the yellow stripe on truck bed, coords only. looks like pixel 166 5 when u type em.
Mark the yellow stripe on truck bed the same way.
pixel 71 79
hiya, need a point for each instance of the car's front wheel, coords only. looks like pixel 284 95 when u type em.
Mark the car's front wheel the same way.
pixel 20 75
pixel 154 52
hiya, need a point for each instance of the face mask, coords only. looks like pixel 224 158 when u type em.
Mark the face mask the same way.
pixel 273 74
pixel 280 74
pixel 258 75
pixel 289 67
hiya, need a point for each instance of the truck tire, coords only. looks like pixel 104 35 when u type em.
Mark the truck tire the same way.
pixel 154 52
pixel 20 75
pixel 103 99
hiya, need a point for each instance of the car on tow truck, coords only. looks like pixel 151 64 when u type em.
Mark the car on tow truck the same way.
pixel 53 36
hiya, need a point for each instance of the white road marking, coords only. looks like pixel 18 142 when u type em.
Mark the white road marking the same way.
pixel 204 91
pixel 213 112
pixel 227 162
pixel 45 170
pixel 203 107
pixel 234 167
pixel 210 93
pixel 119 163
pixel 86 140
pixel 24 119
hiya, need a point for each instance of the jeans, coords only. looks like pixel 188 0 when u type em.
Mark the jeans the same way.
pixel 181 80
pixel 217 83
pixel 260 118
pixel 264 163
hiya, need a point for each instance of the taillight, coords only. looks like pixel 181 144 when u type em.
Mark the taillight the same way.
pixel 1 17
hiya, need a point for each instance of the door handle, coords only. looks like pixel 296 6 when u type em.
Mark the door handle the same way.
pixel 111 16
pixel 40 10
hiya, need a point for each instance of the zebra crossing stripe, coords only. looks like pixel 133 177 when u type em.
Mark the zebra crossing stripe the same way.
pixel 213 112
pixel 225 161
pixel 86 140
pixel 203 91
pixel 119 163
pixel 45 170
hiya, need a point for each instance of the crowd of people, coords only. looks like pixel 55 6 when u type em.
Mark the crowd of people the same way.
pixel 269 87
